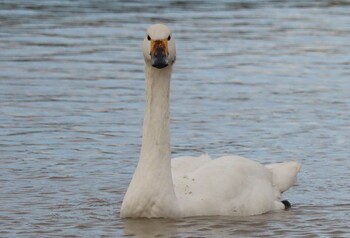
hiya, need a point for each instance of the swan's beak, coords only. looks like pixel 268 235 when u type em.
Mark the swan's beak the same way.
pixel 159 53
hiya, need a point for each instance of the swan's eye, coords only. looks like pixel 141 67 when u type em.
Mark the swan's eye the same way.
pixel 148 37
pixel 169 37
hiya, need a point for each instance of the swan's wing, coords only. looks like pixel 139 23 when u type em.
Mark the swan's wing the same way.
pixel 284 174
pixel 229 185
pixel 186 164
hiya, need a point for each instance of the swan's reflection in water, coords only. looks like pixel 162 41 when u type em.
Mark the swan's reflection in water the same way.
pixel 143 227
pixel 215 226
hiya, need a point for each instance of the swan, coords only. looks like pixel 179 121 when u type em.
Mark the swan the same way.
pixel 162 187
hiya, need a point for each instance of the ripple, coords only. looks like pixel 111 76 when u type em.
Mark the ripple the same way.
pixel 263 79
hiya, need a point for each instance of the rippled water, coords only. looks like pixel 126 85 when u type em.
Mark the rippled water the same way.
pixel 268 80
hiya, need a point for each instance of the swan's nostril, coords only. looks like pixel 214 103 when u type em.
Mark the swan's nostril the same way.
pixel 159 52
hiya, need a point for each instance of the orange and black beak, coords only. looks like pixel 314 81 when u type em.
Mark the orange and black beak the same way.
pixel 159 53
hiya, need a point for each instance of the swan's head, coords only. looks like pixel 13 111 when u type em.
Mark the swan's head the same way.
pixel 159 46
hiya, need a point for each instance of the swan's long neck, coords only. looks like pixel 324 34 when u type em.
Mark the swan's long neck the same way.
pixel 155 151
pixel 151 191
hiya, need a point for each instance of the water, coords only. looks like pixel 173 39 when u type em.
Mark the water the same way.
pixel 267 80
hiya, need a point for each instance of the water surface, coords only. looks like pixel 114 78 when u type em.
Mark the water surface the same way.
pixel 268 80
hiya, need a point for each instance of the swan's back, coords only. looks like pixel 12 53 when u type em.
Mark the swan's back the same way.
pixel 186 164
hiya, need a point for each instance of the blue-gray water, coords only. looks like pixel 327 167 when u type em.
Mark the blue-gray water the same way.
pixel 268 80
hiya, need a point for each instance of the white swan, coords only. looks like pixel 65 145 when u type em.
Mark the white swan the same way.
pixel 193 186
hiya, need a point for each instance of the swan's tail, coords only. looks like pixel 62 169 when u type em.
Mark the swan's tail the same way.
pixel 284 174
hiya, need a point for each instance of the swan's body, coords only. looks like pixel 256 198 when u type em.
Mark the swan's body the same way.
pixel 193 186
